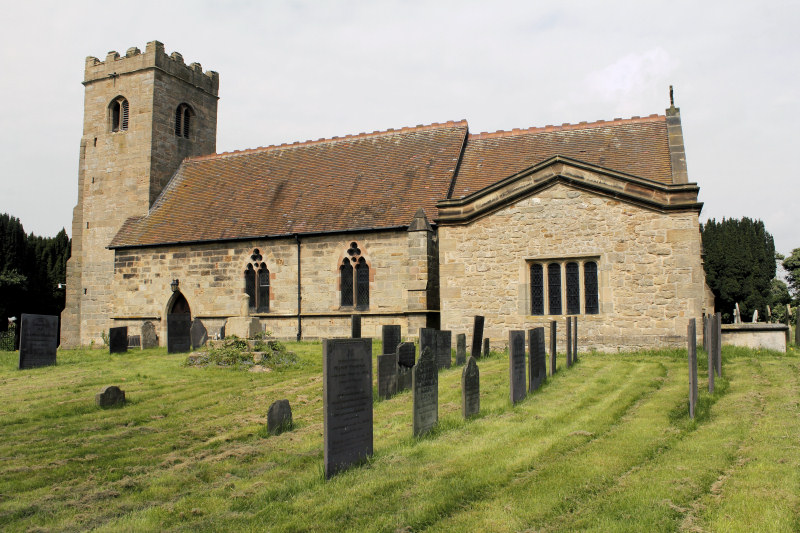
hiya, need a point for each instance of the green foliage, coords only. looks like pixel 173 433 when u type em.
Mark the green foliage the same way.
pixel 792 266
pixel 234 353
pixel 739 265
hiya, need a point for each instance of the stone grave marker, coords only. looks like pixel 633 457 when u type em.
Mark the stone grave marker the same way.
pixel 737 314
pixel 37 340
pixel 110 396
pixel 355 326
pixel 198 334
pixel 387 375
pixel 712 350
pixel 537 362
pixel 569 342
pixel 553 346
pixel 134 341
pixel 425 386
pixel 346 402
pixel 574 339
pixel 118 340
pixel 149 337
pixel 444 341
pixel 705 332
pixel 718 344
pixel 477 337
pixel 406 354
pixel 755 316
pixel 427 339
pixel 470 388
pixel 279 417
pixel 516 365
pixel 691 336
pixel 486 347
pixel 404 378
pixel 179 333
pixel 391 338
pixel 461 349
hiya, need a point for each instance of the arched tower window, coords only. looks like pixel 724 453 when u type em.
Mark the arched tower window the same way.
pixel 256 283
pixel 118 114
pixel 183 118
pixel 354 279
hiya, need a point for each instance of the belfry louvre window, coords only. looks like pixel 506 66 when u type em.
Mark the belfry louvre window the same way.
pixel 354 279
pixel 557 294
pixel 183 118
pixel 119 111
pixel 256 283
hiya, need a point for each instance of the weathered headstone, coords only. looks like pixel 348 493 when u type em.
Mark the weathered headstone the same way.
pixel 537 362
pixel 755 316
pixel 477 337
pixel 279 417
pixel 149 337
pixel 355 326
pixel 705 332
pixel 444 342
pixel 737 314
pixel 574 339
pixel 198 334
pixel 569 342
pixel 37 340
pixel 404 378
pixel 553 346
pixel 470 388
pixel 347 402
pixel 118 340
pixel 406 354
pixel 134 341
pixel 391 338
pixel 516 365
pixel 387 375
pixel 486 347
pixel 109 397
pixel 179 333
pixel 718 345
pixel 692 341
pixel 712 350
pixel 461 349
pixel 427 339
pixel 425 387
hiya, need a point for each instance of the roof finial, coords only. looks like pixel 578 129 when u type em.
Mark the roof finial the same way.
pixel 671 98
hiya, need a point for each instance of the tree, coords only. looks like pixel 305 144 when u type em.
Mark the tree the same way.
pixel 778 298
pixel 792 266
pixel 739 265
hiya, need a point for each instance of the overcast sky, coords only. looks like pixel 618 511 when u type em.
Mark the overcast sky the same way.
pixel 291 71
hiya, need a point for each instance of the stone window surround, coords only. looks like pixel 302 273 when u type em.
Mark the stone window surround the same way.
pixel 256 263
pixel 184 114
pixel 562 261
pixel 355 258
pixel 122 119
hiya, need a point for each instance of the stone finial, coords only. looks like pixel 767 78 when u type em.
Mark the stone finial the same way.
pixel 112 56
pixel 176 56
pixel 110 396
pixel 132 51
pixel 671 97
pixel 279 417
pixel 420 222
pixel 197 67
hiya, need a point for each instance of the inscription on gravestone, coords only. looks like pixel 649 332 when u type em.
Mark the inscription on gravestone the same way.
pixel 461 349
pixel 347 402
pixel 425 385
pixel 404 377
pixel 569 342
pixel 692 340
pixel 538 358
pixel 391 338
pixel 118 340
pixel 477 337
pixel 470 389
pixel 553 346
pixel 444 341
pixel 149 337
pixel 516 365
pixel 178 333
pixel 355 326
pixel 37 340
pixel 387 375
pixel 198 334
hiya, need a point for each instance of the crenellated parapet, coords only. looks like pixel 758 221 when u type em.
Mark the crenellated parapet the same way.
pixel 154 57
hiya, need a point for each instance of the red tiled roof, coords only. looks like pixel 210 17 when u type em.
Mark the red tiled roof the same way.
pixel 637 146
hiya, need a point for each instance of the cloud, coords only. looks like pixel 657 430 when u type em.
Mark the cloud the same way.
pixel 632 76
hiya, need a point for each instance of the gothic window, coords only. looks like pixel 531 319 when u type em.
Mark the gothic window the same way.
pixel 590 287
pixel 537 289
pixel 256 283
pixel 346 283
pixel 118 111
pixel 554 287
pixel 354 279
pixel 573 289
pixel 183 117
pixel 362 284
pixel 546 294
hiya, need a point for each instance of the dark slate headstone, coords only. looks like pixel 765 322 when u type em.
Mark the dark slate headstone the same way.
pixel 705 332
pixel 538 358
pixel 149 336
pixel 461 349
pixel 477 337
pixel 486 347
pixel 179 333
pixel 404 378
pixel 516 365
pixel 712 350
pixel 279 417
pixel 134 341
pixel 425 386
pixel 691 336
pixel 427 339
pixel 110 396
pixel 553 346
pixel 38 340
pixel 406 354
pixel 347 402
pixel 118 340
pixel 718 345
pixel 569 342
pixel 574 339
pixel 470 389
pixel 444 341
pixel 355 326
pixel 387 375
pixel 198 334
pixel 391 338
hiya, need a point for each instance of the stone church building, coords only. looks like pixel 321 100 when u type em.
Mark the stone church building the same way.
pixel 418 226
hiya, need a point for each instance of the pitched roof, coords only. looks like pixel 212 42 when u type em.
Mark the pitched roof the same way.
pixel 375 180
pixel 636 146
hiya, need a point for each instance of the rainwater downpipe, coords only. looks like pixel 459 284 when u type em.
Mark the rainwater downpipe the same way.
pixel 299 320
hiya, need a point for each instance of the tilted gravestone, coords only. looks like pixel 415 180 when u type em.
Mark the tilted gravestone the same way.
pixel 279 417
pixel 118 340
pixel 444 342
pixel 477 337
pixel 486 347
pixel 718 345
pixel 553 346
pixel 110 396
pixel 179 333
pixel 569 342
pixel 198 334
pixel 538 358
pixel 391 338
pixel 37 340
pixel 461 349
pixel 470 388
pixel 355 326
pixel 574 339
pixel 149 337
pixel 516 365
pixel 406 357
pixel 691 336
pixel 387 375
pixel 425 387
pixel 347 402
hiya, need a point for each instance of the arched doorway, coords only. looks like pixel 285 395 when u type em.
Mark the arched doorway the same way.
pixel 179 324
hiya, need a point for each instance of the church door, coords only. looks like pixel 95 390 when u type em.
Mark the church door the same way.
pixel 179 325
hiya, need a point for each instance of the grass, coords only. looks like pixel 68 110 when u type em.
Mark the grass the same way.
pixel 604 446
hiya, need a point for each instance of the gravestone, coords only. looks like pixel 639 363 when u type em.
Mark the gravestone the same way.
pixel 461 349
pixel 755 316
pixel 134 341
pixel 470 388
pixel 553 346
pixel 477 337
pixel 406 354
pixel 737 314
pixel 391 338
pixel 516 365
pixel 486 347
pixel 118 340
pixel 691 336
pixel 427 339
pixel 569 342
pixel 149 337
pixel 346 402
pixel 109 397
pixel 179 333
pixel 537 362
pixel 38 340
pixel 574 339
pixel 718 345
pixel 705 332
pixel 444 341
pixel 404 378
pixel 198 334
pixel 387 375
pixel 712 350
pixel 279 417
pixel 425 386
pixel 355 326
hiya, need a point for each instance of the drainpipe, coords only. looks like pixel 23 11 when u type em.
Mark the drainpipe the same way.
pixel 299 320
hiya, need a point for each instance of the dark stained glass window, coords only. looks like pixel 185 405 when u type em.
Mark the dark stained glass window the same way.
pixel 537 289
pixel 250 285
pixel 573 289
pixel 346 283
pixel 263 289
pixel 590 288
pixel 554 287
pixel 362 284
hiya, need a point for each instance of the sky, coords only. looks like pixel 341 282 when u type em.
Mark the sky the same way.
pixel 297 70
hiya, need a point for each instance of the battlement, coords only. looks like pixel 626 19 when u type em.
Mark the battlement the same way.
pixel 155 57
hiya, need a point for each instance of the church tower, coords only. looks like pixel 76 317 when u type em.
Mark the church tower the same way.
pixel 143 114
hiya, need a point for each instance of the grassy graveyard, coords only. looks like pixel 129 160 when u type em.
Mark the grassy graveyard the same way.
pixel 605 446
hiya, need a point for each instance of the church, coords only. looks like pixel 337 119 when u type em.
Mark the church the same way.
pixel 423 226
